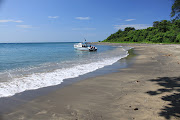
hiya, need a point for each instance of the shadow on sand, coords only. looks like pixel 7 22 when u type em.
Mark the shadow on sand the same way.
pixel 169 84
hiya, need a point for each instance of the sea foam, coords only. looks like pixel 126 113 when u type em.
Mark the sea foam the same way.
pixel 39 80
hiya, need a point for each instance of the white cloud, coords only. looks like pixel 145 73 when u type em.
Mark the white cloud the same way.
pixel 24 26
pixel 82 18
pixel 136 26
pixel 5 21
pixel 53 17
pixel 83 28
pixel 130 19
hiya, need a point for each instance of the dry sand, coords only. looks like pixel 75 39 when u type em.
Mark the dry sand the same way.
pixel 147 90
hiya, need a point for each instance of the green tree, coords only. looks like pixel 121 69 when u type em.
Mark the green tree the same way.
pixel 175 9
pixel 178 38
pixel 169 36
pixel 129 29
pixel 119 31
pixel 155 23
pixel 163 32
pixel 177 23
pixel 164 25
pixel 158 38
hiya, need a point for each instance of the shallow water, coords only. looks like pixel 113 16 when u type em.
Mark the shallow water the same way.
pixel 35 65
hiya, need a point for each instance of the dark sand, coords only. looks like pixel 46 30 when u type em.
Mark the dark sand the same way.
pixel 147 90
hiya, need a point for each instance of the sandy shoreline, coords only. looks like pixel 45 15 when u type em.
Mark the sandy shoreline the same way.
pixel 149 90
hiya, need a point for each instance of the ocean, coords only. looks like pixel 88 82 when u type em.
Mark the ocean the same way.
pixel 29 66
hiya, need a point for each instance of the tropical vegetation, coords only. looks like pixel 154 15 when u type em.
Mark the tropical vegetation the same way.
pixel 162 31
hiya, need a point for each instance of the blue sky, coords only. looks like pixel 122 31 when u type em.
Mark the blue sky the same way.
pixel 74 20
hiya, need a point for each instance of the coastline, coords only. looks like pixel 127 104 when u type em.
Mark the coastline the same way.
pixel 63 65
pixel 9 103
pixel 141 91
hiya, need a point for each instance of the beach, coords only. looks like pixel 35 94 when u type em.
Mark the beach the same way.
pixel 148 89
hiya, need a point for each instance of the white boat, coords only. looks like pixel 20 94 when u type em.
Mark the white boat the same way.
pixel 84 47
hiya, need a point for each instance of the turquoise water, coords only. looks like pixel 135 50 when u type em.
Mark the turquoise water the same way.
pixel 20 55
pixel 27 66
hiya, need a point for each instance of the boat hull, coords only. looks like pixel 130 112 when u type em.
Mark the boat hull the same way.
pixel 91 50
pixel 82 49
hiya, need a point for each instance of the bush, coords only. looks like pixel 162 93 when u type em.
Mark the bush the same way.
pixel 177 40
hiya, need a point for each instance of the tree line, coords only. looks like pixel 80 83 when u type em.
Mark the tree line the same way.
pixel 162 32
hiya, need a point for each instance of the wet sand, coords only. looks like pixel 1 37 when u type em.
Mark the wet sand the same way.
pixel 147 90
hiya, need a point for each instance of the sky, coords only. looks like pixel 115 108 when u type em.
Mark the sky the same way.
pixel 73 20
